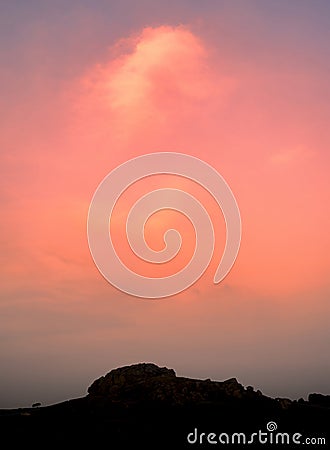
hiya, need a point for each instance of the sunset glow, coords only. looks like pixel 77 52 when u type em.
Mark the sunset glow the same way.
pixel 249 99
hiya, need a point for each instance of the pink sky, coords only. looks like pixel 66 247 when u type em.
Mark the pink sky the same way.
pixel 259 117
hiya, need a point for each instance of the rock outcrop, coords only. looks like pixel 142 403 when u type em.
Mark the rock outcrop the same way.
pixel 319 400
pixel 146 406
pixel 123 377
pixel 149 383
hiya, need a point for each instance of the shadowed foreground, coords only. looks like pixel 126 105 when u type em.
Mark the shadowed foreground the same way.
pixel 146 406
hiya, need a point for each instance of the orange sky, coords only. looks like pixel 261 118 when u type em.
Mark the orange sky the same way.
pixel 259 118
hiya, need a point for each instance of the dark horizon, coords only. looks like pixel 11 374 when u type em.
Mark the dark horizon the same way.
pixel 139 403
pixel 82 394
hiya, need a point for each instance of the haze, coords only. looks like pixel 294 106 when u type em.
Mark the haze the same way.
pixel 87 85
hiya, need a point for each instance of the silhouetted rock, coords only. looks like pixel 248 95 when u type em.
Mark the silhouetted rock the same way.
pixel 146 406
pixel 319 399
pixel 284 402
pixel 150 383
pixel 123 377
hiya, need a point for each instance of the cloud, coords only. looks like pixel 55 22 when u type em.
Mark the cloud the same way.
pixel 155 80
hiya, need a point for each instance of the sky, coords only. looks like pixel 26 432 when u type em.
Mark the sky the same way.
pixel 88 85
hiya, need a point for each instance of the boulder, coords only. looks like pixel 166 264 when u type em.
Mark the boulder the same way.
pixel 319 400
pixel 127 376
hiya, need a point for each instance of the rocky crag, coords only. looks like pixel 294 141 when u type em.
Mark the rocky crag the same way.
pixel 147 406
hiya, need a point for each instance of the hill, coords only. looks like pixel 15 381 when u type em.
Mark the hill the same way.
pixel 146 406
